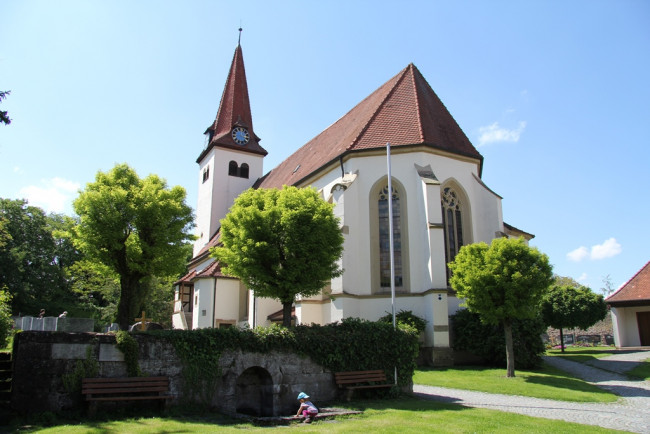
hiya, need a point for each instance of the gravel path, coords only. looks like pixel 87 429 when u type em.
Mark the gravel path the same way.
pixel 631 412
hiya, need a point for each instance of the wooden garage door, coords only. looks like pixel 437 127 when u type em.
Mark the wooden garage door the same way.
pixel 643 320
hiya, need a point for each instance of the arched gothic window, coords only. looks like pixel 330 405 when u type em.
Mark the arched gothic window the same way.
pixel 384 238
pixel 452 220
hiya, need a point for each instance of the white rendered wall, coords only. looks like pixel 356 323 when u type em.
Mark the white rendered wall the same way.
pixel 260 308
pixel 426 262
pixel 218 193
pixel 626 327
pixel 226 302
pixel 202 313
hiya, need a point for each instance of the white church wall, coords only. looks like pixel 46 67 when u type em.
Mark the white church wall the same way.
pixel 226 301
pixel 262 308
pixel 221 189
pixel 425 252
pixel 205 193
pixel 487 212
pixel 203 303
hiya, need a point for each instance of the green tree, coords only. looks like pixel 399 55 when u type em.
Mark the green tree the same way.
pixel 6 322
pixel 502 282
pixel 96 289
pixel 28 260
pixel 281 243
pixel 137 227
pixel 4 116
pixel 571 306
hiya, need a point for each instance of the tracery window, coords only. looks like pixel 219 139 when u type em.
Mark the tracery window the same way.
pixel 384 237
pixel 452 221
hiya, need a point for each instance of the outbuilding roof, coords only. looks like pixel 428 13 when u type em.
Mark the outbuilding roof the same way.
pixel 636 292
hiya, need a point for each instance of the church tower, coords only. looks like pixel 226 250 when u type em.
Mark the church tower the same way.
pixel 232 159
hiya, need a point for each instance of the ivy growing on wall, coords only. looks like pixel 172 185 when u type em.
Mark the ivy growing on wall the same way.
pixel 352 345
pixel 86 368
pixel 129 347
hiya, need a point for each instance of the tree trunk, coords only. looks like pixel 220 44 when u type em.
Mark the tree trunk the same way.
pixel 561 339
pixel 510 351
pixel 127 308
pixel 286 313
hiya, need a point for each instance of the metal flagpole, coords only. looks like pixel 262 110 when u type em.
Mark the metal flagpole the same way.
pixel 390 242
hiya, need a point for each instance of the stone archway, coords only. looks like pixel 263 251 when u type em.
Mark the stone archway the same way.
pixel 254 392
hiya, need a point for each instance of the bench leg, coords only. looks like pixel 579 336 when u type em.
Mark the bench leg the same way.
pixel 92 408
pixel 348 394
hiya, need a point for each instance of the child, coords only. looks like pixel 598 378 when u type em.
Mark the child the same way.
pixel 309 410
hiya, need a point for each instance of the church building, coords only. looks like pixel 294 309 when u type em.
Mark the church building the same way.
pixel 440 203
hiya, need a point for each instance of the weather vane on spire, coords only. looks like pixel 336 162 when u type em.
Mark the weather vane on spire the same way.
pixel 239 41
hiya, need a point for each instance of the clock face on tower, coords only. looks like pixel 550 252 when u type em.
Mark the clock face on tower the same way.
pixel 240 135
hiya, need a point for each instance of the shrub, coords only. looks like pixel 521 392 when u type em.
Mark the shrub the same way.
pixel 489 343
pixel 405 317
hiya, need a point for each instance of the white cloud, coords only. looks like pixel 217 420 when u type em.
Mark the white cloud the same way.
pixel 582 277
pixel 578 254
pixel 53 195
pixel 607 249
pixel 494 134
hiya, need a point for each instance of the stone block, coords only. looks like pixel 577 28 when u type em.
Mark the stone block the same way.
pixel 69 351
pixel 110 353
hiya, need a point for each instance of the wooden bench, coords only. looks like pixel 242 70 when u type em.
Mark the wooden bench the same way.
pixel 353 380
pixel 125 389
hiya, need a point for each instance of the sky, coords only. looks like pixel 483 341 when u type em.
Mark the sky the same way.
pixel 555 95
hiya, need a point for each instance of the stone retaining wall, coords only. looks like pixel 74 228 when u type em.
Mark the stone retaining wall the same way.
pixel 264 383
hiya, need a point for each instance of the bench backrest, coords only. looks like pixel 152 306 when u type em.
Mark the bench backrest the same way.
pixel 352 377
pixel 124 385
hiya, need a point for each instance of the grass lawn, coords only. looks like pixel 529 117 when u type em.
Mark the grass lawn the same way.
pixel 547 382
pixel 582 354
pixel 403 415
pixel 642 371
pixel 586 354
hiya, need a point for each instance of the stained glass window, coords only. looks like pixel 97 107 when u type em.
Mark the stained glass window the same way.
pixel 384 238
pixel 452 223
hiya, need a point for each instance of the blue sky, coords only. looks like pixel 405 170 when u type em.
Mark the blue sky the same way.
pixel 554 94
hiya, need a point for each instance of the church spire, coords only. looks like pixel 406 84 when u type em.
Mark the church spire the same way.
pixel 233 126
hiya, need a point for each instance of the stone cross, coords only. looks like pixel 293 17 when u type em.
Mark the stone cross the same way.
pixel 143 321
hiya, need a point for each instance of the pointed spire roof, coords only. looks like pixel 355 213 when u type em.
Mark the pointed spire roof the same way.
pixel 404 111
pixel 234 110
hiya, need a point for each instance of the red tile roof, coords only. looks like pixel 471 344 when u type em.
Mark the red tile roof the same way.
pixel 405 111
pixel 212 270
pixel 234 109
pixel 635 292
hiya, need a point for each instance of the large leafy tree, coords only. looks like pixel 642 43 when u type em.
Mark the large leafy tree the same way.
pixel 281 243
pixel 502 282
pixel 29 257
pixel 572 306
pixel 138 228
